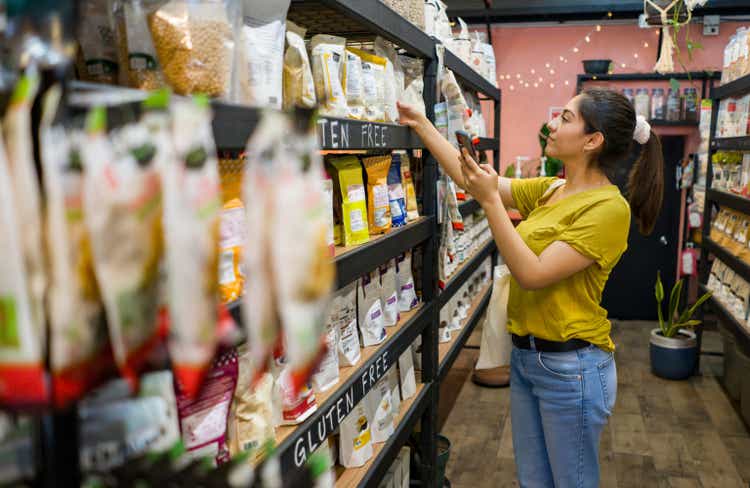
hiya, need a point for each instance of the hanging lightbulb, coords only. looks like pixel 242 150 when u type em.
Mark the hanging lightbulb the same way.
pixel 546 65
pixel 536 85
pixel 645 44
pixel 526 85
pixel 622 65
pixel 552 72
pixel 540 79
pixel 533 71
pixel 598 28
pixel 518 76
pixel 566 60
pixel 551 85
pixel 588 39
pixel 609 14
pixel 512 87
pixel 575 49
pixel 567 83
pixel 561 58
pixel 635 55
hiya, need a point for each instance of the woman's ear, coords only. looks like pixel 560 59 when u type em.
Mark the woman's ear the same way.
pixel 594 142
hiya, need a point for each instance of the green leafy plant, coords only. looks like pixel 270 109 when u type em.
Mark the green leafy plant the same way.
pixel 675 322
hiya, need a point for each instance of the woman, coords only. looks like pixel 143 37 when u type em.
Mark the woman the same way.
pixel 563 376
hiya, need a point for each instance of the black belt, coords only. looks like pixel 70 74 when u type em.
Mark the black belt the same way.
pixel 543 345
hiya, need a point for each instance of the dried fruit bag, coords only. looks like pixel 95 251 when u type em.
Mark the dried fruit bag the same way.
pixel 194 42
pixel 353 200
pixel 122 205
pixel 21 361
pixel 378 204
pixel 79 353
pixel 191 226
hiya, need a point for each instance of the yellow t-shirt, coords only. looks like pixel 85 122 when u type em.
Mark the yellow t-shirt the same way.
pixel 596 224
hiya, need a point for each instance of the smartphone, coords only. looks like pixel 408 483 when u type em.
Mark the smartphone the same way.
pixel 464 140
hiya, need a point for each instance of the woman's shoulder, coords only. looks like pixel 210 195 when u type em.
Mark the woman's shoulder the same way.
pixel 608 204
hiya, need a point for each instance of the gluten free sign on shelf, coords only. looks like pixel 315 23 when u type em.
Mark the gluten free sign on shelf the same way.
pixel 354 134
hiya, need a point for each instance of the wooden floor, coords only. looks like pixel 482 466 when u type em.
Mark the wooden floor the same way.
pixel 679 434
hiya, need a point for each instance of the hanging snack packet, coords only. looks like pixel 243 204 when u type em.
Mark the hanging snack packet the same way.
pixel 326 373
pixel 456 107
pixel 388 297
pixel 396 197
pixel 407 295
pixel 327 60
pixel 380 411
pixel 97 39
pixel 353 85
pixel 265 150
pixel 191 227
pixel 371 324
pixel 354 201
pixel 251 422
pixel 17 127
pixel 143 68
pixel 378 206
pixel 160 384
pixel 203 420
pixel 410 194
pixel 22 375
pixel 122 205
pixel 299 86
pixel 355 447
pixel 373 84
pixel 406 373
pixel 303 270
pixel 344 313
pixel 454 213
pixel 232 238
pixel 79 355
pixel 260 52
pixel 327 186
pixel 413 93
pixel 394 78
pixel 297 403
pixel 194 41
pixel 392 376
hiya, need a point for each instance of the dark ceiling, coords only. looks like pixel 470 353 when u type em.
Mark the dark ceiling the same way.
pixel 564 10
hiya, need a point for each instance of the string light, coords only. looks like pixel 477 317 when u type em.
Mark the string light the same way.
pixel 609 14
pixel 540 79
pixel 518 76
pixel 598 28
pixel 567 83
pixel 562 58
pixel 622 65
pixel 536 85
pixel 645 44
pixel 512 87
pixel 546 65
pixel 575 49
pixel 635 55
pixel 551 85
pixel 533 71
pixel 552 72
pixel 588 39
pixel 526 85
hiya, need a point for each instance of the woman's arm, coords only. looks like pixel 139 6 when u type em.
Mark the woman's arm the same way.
pixel 446 154
pixel 557 262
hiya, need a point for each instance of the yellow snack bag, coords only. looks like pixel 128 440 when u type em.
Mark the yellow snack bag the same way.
pixel 353 201
pixel 231 246
pixel 378 204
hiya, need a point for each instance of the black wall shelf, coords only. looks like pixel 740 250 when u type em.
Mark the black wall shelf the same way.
pixel 725 256
pixel 488 144
pixel 469 77
pixel 734 88
pixel 465 270
pixel 741 334
pixel 731 143
pixel 673 123
pixel 726 199
pixel 468 207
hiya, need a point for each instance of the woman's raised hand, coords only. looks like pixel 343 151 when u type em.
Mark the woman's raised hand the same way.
pixel 480 180
pixel 408 116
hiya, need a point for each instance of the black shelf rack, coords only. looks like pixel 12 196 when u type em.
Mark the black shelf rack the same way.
pixel 468 207
pixel 715 197
pixel 471 323
pixel 356 20
pixel 705 78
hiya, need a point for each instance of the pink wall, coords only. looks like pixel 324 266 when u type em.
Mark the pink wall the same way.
pixel 518 50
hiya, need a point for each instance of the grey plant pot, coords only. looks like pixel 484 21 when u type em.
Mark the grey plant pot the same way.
pixel 673 358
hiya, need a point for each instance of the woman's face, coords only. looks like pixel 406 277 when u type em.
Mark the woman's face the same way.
pixel 567 140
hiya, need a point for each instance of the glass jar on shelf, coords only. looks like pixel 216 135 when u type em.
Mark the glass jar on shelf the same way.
pixel 674 105
pixel 642 103
pixel 658 104
pixel 691 104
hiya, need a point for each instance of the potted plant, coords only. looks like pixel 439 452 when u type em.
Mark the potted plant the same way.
pixel 673 347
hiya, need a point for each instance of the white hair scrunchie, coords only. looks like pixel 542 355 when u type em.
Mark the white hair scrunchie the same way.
pixel 642 131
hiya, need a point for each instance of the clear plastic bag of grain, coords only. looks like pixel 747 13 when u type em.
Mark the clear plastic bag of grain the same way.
pixel 98 42
pixel 411 10
pixel 143 70
pixel 194 41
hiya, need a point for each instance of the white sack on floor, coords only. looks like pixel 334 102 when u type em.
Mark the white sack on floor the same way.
pixel 496 342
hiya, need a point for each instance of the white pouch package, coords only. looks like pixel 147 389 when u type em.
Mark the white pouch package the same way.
pixel 299 86
pixel 327 60
pixel 404 460
pixel 389 297
pixel 393 384
pixel 353 87
pixel 413 93
pixel 394 77
pixel 260 52
pixel 355 447
pixel 380 411
pixel 406 374
pixel 344 304
pixel 371 324
pixel 462 43
pixel 407 295
pixel 326 374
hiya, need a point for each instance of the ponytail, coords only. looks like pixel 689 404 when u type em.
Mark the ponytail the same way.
pixel 645 188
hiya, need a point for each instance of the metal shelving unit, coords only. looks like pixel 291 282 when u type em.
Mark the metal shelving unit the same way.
pixel 722 198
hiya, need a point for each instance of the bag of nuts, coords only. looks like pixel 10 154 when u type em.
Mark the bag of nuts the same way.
pixel 194 41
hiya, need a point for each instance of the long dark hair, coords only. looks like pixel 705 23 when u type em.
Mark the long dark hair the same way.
pixel 613 115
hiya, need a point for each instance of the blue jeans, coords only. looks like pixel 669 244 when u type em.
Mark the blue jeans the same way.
pixel 559 405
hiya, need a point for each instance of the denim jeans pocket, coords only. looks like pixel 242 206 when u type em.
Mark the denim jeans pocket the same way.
pixel 563 365
pixel 608 378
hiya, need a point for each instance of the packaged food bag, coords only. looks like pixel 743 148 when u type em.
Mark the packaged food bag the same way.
pixel 344 312
pixel 353 85
pixel 203 420
pixel 326 374
pixel 160 384
pixel 406 373
pixel 79 353
pixel 371 323
pixel 17 130
pixel 303 270
pixel 194 41
pixel 143 68
pixel 388 297
pixel 327 59
pixel 122 206
pixel 232 238
pixel 297 403
pixel 299 85
pixel 327 186
pixel 355 447
pixel 265 150
pixel 378 205
pixel 354 201
pixel 413 93
pixel 407 295
pixel 192 203
pixel 396 195
pixel 457 109
pixel 22 375
pixel 251 422
pixel 373 84
pixel 404 460
pixel 393 384
pixel 394 78
pixel 98 43
pixel 410 194
pixel 260 52
pixel 380 411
